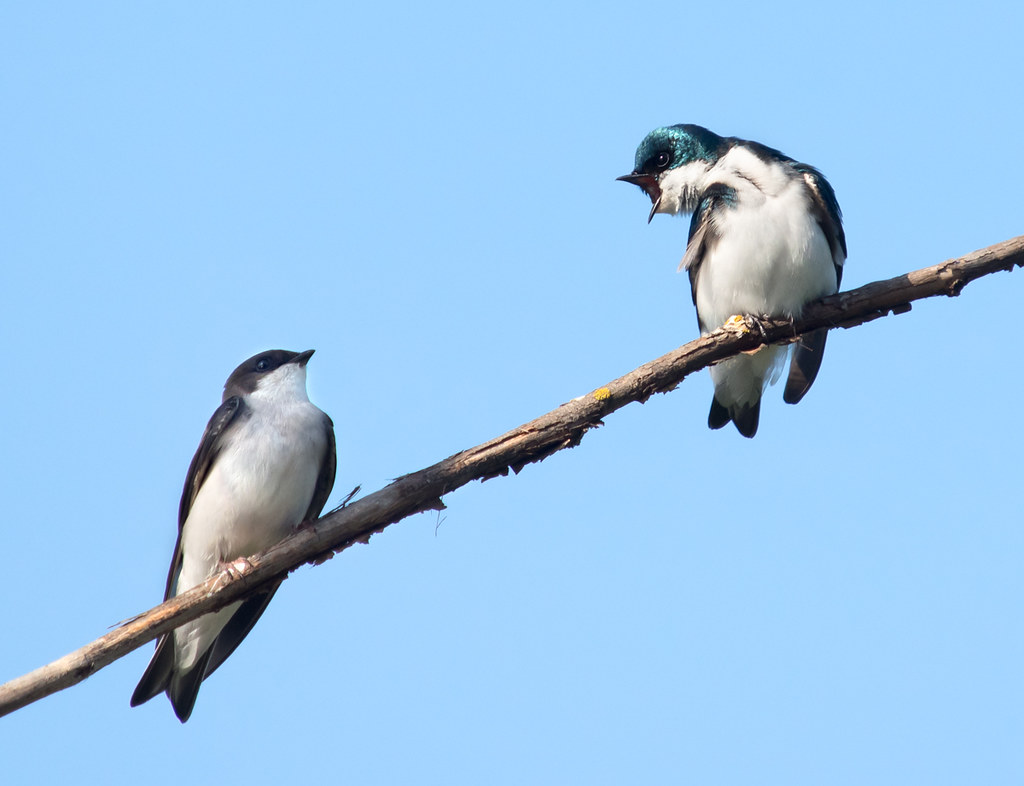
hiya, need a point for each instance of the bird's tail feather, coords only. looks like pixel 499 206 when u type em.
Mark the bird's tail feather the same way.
pixel 184 687
pixel 744 417
pixel 158 673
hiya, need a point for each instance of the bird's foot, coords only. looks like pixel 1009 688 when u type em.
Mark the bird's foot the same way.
pixel 744 324
pixel 736 324
pixel 231 571
pixel 760 325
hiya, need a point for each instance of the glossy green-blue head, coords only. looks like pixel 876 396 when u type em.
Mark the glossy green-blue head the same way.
pixel 674 146
pixel 666 149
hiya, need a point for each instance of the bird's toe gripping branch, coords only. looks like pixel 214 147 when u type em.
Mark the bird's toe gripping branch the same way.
pixel 743 324
pixel 231 571
pixel 737 323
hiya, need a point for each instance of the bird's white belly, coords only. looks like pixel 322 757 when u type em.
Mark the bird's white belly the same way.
pixel 250 499
pixel 770 260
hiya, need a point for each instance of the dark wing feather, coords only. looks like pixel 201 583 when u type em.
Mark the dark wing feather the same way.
pixel 325 482
pixel 803 368
pixel 237 628
pixel 209 447
pixel 704 234
pixel 825 208
pixel 247 615
pixel 703 237
pixel 810 349
pixel 696 245
pixel 160 674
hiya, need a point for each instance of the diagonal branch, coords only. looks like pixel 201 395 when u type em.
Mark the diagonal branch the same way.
pixel 561 428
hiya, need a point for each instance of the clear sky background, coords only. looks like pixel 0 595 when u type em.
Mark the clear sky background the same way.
pixel 426 196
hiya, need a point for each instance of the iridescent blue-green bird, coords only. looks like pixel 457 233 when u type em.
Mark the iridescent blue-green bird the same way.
pixel 766 238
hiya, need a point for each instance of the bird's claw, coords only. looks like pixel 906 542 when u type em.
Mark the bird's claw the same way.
pixel 760 325
pixel 746 323
pixel 231 571
pixel 736 324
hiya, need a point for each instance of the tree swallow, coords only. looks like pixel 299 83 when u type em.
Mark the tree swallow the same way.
pixel 265 464
pixel 766 238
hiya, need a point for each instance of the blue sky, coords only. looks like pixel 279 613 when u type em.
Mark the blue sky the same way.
pixel 426 196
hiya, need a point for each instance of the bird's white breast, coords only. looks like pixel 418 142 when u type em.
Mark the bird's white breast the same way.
pixel 767 257
pixel 258 489
pixel 771 256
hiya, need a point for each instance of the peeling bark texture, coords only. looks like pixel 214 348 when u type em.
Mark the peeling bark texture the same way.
pixel 561 428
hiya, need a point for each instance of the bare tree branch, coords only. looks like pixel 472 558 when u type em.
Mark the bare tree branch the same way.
pixel 561 428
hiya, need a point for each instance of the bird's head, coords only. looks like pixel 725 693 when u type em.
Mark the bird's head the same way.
pixel 667 162
pixel 276 373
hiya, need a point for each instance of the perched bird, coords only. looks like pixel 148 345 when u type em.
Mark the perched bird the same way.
pixel 766 238
pixel 265 464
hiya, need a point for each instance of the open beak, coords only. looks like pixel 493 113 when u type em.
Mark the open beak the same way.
pixel 649 184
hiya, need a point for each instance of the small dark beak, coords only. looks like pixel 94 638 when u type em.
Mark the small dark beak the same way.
pixel 303 357
pixel 649 184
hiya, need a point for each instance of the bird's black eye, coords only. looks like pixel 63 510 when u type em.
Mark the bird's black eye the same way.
pixel 661 161
pixel 262 364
